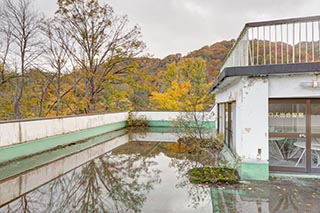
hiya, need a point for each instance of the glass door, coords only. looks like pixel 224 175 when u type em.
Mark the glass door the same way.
pixel 288 135
pixel 294 135
pixel 315 135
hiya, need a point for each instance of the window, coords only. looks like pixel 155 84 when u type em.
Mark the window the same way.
pixel 226 117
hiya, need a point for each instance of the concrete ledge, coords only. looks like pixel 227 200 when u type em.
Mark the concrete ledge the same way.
pixel 160 123
pixel 23 150
pixel 20 131
pixel 167 118
pixel 163 123
pixel 19 166
pixel 32 178
pixel 294 175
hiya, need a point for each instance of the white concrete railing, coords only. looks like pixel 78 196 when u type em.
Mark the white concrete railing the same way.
pixel 31 179
pixel 13 132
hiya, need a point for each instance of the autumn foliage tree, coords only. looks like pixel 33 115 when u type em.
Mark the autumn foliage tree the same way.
pixel 102 41
pixel 21 24
pixel 87 59
pixel 185 87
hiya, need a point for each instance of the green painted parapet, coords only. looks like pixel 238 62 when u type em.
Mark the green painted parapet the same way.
pixel 247 169
pixel 167 123
pixel 254 170
pixel 23 150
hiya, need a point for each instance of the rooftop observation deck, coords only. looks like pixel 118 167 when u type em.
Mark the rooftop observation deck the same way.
pixel 274 47
pixel 284 41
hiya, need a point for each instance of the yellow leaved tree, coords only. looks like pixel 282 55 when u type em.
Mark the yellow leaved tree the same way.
pixel 185 87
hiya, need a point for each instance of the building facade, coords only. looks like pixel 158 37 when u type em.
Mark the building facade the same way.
pixel 268 97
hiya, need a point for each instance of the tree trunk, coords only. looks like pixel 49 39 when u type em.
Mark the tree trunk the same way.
pixel 58 91
pixel 20 89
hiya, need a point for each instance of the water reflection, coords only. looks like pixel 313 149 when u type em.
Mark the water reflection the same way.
pixel 277 195
pixel 110 183
pixel 134 177
pixel 150 176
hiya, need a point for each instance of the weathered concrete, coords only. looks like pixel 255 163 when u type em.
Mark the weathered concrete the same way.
pixel 17 186
pixel 32 161
pixel 13 132
pixel 292 86
pixel 166 118
pixel 30 148
pixel 251 130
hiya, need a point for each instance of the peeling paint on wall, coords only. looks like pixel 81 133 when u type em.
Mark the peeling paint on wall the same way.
pixel 247 130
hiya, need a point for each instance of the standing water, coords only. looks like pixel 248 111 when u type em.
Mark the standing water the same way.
pixel 146 173
pixel 146 176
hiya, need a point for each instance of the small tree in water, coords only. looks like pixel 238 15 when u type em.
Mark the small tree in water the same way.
pixel 195 131
pixel 204 148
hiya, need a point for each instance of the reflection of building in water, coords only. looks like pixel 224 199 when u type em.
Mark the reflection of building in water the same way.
pixel 230 200
pixel 268 97
pixel 273 196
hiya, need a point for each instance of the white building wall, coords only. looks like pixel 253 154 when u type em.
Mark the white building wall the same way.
pixel 252 100
pixel 292 86
pixel 252 114
pixel 251 117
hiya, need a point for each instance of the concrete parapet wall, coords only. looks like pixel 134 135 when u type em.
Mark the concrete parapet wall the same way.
pixel 20 131
pixel 29 180
pixel 13 132
pixel 165 118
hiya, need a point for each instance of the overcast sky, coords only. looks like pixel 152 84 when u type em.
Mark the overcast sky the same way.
pixel 181 26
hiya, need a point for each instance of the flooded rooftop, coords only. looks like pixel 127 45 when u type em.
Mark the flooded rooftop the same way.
pixel 143 173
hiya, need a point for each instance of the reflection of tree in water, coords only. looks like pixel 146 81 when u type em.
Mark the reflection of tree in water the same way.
pixel 106 184
pixel 181 159
pixel 23 204
pixel 197 193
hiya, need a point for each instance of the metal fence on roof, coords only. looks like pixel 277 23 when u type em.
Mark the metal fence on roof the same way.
pixel 277 42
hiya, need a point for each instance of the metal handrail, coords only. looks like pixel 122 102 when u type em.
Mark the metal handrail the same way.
pixel 296 39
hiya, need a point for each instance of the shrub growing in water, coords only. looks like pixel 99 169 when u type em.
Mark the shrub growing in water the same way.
pixel 213 175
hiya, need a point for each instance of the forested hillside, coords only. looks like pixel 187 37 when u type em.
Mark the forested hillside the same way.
pixel 82 62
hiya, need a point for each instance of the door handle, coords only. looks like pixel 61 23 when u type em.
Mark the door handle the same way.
pixel 302 136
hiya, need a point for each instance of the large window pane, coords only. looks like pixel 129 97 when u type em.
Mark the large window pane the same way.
pixel 233 127
pixel 315 118
pixel 221 118
pixel 289 118
pixel 315 138
pixel 287 152
pixel 226 136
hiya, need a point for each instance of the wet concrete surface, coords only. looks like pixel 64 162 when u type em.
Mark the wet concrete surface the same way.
pixel 281 194
pixel 147 177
